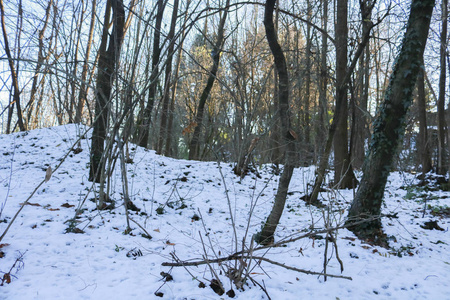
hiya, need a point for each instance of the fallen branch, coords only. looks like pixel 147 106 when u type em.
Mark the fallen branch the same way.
pixel 237 257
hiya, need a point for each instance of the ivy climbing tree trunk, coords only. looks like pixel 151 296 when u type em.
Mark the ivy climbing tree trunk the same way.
pixel 389 126
pixel 107 63
pixel 265 237
pixel 194 145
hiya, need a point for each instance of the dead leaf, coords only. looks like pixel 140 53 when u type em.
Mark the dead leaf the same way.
pixel 157 230
pixel 29 203
pixel 3 245
pixel 7 278
pixel 67 205
pixel 169 243
pixel 48 174
pixel 53 209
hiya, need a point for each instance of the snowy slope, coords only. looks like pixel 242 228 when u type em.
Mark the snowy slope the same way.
pixel 105 263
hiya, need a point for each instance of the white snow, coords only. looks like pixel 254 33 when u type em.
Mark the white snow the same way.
pixel 95 264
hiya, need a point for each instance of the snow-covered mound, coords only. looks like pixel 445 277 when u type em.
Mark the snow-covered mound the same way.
pixel 189 208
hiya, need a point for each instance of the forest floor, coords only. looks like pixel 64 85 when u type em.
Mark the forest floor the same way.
pixel 189 208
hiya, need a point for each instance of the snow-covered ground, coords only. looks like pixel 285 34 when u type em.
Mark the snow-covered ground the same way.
pixel 196 204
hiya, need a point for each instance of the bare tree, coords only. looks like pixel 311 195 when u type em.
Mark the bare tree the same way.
pixel 145 121
pixel 107 64
pixel 194 146
pixel 288 136
pixel 168 74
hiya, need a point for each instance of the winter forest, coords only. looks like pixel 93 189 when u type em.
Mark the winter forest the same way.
pixel 222 149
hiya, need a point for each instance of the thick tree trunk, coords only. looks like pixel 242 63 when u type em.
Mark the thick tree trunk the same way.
pixel 266 235
pixel 194 146
pixel 389 126
pixel 107 64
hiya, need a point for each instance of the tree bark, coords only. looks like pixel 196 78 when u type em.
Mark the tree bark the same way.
pixel 107 64
pixel 343 172
pixel 389 126
pixel 288 136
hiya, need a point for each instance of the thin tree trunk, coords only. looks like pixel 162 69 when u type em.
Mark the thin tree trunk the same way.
pixel 166 96
pixel 168 151
pixel 145 122
pixel 40 61
pixel 442 126
pixel 84 87
pixel 323 163
pixel 107 64
pixel 323 83
pixel 194 146
pixel 15 82
pixel 288 136
pixel 389 126
pixel 423 146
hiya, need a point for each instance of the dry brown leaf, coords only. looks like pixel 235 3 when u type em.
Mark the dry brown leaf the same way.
pixel 48 173
pixel 169 243
pixel 4 245
pixel 67 205
pixel 53 209
pixel 7 278
pixel 32 204
pixel 157 230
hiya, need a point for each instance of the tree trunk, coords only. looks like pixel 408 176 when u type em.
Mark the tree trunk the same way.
pixel 194 146
pixel 15 82
pixel 323 163
pixel 323 83
pixel 389 126
pixel 107 63
pixel 144 124
pixel 166 97
pixel 360 129
pixel 442 126
pixel 266 235
pixel 343 173
pixel 84 87
pixel 423 146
